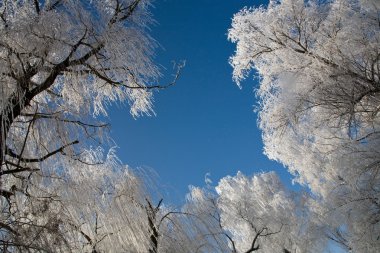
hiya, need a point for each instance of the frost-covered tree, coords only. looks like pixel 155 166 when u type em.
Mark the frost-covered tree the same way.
pixel 90 209
pixel 319 69
pixel 61 63
pixel 96 205
pixel 263 216
pixel 256 214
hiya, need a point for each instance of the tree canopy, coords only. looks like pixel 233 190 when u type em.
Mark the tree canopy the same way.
pixel 63 188
pixel 318 64
pixel 61 63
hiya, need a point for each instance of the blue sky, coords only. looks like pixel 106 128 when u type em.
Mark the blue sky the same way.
pixel 205 123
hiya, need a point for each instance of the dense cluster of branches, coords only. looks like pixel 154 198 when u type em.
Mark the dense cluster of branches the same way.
pixel 319 68
pixel 63 61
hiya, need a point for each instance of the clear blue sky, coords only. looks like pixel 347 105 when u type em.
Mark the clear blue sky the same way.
pixel 204 124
